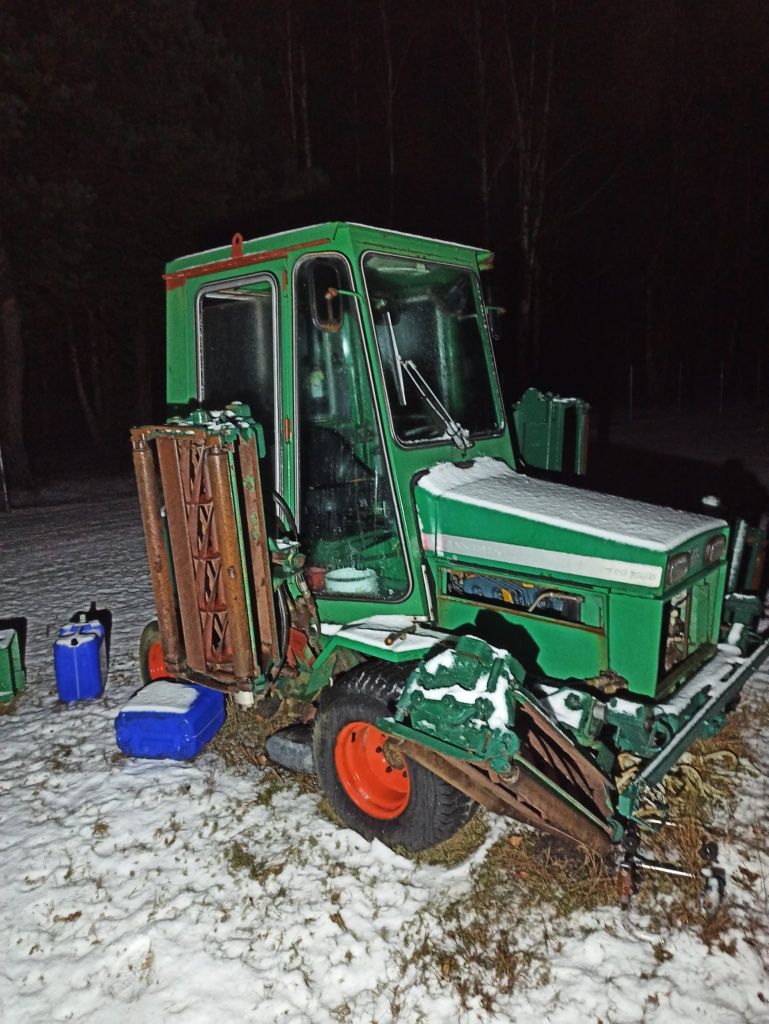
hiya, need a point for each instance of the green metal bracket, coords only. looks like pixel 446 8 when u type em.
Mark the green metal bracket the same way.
pixel 542 427
pixel 705 722
pixel 465 696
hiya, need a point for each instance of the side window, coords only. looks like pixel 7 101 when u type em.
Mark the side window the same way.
pixel 347 514
pixel 236 332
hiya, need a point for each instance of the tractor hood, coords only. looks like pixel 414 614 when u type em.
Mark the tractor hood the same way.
pixel 485 513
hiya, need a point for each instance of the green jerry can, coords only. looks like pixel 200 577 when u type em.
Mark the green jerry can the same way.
pixel 12 675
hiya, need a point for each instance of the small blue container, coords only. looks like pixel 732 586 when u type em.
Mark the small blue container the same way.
pixel 167 719
pixel 80 661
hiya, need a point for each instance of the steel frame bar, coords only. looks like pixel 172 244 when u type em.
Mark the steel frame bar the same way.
pixel 231 569
pixel 173 492
pixel 157 553
pixel 256 530
pixel 522 797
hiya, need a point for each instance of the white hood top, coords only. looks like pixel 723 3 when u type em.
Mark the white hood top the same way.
pixel 490 483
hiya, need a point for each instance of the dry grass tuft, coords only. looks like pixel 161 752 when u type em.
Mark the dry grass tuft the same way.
pixel 457 848
pixel 705 779
pixel 535 869
pixel 477 948
pixel 241 739
pixel 240 744
pixel 241 859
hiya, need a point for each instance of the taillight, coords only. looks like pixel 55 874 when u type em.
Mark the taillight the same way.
pixel 678 566
pixel 714 549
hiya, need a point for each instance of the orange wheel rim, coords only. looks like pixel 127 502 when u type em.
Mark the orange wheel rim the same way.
pixel 156 663
pixel 373 782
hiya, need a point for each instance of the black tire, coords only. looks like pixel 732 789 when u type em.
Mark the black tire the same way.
pixel 434 810
pixel 150 635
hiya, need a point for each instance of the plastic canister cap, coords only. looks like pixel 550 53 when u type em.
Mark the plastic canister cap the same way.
pixel 74 642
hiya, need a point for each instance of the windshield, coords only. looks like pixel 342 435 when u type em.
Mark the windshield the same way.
pixel 437 370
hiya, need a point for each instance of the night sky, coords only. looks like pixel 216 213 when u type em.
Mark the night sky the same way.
pixel 613 153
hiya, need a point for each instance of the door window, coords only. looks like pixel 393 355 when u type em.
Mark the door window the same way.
pixel 236 328
pixel 348 521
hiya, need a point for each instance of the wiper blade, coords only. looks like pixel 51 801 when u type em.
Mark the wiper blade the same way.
pixel 455 430
pixel 397 361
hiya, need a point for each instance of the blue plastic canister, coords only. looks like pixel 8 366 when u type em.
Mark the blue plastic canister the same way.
pixel 169 719
pixel 80 661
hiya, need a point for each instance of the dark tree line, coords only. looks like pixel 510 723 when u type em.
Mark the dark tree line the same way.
pixel 612 153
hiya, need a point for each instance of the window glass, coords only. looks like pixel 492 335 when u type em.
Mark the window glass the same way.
pixel 237 343
pixel 428 327
pixel 348 522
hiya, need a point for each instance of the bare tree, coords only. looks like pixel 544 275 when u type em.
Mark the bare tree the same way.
pixel 354 64
pixel 12 378
pixel 306 140
pixel 530 80
pixel 289 79
pixel 393 68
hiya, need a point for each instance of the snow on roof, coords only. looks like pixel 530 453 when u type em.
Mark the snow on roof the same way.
pixel 490 483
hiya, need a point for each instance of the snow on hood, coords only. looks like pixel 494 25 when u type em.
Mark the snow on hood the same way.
pixel 490 483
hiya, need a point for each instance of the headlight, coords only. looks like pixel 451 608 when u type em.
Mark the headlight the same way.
pixel 715 548
pixel 678 566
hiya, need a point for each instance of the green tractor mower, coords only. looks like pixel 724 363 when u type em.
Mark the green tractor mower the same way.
pixel 337 512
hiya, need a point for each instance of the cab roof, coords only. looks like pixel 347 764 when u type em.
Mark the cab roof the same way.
pixel 341 234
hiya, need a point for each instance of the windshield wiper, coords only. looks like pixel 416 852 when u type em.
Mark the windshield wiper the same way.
pixel 454 430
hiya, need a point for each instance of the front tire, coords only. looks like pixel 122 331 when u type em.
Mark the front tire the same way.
pixel 376 790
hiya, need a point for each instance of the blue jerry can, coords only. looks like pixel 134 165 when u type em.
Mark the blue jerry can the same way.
pixel 80 661
pixel 169 719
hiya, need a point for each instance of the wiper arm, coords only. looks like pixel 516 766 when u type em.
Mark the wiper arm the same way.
pixel 397 361
pixel 455 431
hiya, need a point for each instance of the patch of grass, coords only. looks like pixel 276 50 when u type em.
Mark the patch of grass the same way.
pixel 241 859
pixel 472 943
pixel 705 779
pixel 67 918
pixel 145 968
pixel 100 829
pixel 56 757
pixel 328 812
pixel 240 741
pixel 170 832
pixel 458 847
pixel 566 877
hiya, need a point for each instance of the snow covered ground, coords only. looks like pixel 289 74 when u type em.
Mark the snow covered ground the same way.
pixel 148 891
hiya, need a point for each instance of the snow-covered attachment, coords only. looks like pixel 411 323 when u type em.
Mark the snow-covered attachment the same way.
pixel 168 719
pixel 465 696
pixel 465 716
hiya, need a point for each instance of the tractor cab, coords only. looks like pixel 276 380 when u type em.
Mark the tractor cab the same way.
pixel 362 362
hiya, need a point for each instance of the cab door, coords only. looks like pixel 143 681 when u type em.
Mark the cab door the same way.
pixel 347 517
